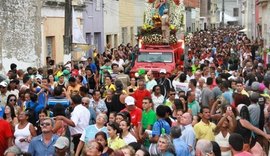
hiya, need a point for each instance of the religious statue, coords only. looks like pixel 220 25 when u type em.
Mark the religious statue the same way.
pixel 165 26
pixel 161 5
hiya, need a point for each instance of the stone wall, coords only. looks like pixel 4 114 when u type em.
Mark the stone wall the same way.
pixel 20 33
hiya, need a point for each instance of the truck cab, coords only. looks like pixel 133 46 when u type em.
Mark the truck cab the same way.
pixel 156 57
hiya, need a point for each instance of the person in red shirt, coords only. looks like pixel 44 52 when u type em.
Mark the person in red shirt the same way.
pixel 5 136
pixel 140 94
pixel 135 112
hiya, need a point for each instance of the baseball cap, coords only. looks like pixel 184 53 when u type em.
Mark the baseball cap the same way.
pixel 3 83
pixel 129 100
pixel 61 142
pixel 255 86
pixel 13 149
pixel 162 71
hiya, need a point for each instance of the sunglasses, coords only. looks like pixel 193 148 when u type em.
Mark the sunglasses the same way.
pixel 10 100
pixel 172 94
pixel 45 124
pixel 84 103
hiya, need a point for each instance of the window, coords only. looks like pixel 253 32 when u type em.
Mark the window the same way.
pixel 155 57
pixel 50 45
pixel 235 12
pixel 124 34
pixel 98 5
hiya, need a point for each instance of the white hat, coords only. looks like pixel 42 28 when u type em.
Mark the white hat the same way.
pixel 129 100
pixel 3 83
pixel 61 142
pixel 162 71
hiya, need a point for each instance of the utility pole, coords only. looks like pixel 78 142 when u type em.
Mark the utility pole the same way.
pixel 223 9
pixel 68 27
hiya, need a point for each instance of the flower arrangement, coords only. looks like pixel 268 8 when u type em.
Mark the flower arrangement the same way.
pixel 156 20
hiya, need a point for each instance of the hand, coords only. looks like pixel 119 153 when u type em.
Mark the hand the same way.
pixel 60 117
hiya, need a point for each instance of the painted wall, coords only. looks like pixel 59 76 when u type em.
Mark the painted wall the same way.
pixel 20 39
pixel 93 24
pixel 111 22
pixel 53 26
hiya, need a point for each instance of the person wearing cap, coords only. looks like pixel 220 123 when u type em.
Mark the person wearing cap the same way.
pixel 134 111
pixel 13 151
pixel 3 93
pixel 165 26
pixel 43 143
pixel 61 146
pixel 12 87
pixel 164 82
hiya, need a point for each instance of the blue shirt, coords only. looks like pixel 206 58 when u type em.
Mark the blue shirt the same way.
pixel 181 148
pixel 93 67
pixel 189 137
pixel 158 126
pixel 90 132
pixel 2 110
pixel 38 148
pixel 228 96
pixel 54 100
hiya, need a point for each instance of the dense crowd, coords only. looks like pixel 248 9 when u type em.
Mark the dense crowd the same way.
pixel 217 105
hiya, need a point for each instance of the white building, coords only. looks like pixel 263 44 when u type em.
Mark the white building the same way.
pixel 264 22
pixel 111 22
pixel 248 17
pixel 232 12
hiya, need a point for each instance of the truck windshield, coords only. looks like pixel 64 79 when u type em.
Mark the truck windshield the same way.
pixel 155 57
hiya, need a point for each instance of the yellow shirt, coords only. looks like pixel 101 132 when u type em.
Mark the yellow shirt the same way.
pixel 116 143
pixel 205 131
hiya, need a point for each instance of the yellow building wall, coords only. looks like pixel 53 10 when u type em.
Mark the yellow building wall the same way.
pixel 54 27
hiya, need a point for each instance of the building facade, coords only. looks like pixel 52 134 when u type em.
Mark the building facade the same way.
pixel 52 28
pixel 93 25
pixel 131 13
pixel 111 23
pixel 192 15
pixel 263 22
pixel 232 12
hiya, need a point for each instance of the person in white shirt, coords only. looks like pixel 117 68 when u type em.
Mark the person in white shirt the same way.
pixel 152 82
pixel 180 85
pixel 79 119
pixel 118 60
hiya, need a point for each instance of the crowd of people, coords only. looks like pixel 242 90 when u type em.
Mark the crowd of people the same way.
pixel 218 105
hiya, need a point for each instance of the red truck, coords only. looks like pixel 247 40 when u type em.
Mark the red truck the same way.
pixel 156 57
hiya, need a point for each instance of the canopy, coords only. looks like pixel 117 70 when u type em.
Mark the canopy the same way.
pixel 227 18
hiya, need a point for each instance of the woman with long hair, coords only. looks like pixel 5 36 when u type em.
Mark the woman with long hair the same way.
pixel 24 131
pixel 12 101
pixel 101 137
pixel 10 116
pixel 108 100
pixel 225 126
pixel 51 81
pixel 132 87
pixel 245 129
pixel 126 135
pixel 115 140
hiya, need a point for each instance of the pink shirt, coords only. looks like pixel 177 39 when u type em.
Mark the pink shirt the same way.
pixel 244 153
